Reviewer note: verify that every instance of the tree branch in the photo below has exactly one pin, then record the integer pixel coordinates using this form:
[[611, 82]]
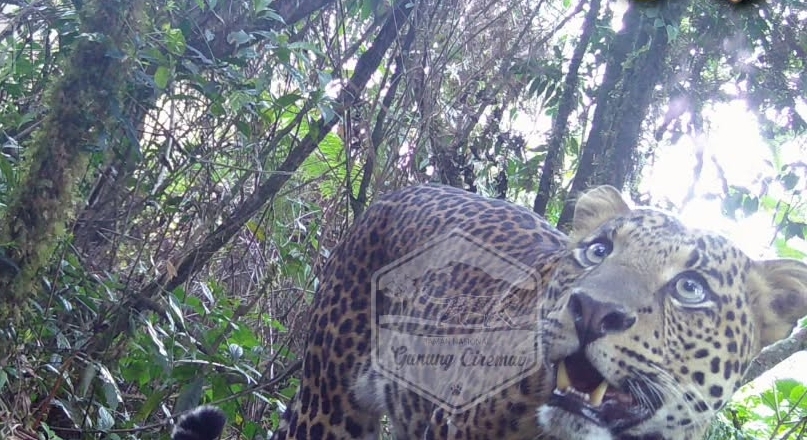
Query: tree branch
[[776, 353], [201, 254]]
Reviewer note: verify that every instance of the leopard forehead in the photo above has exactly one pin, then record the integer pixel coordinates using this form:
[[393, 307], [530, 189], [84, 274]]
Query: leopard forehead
[[664, 239]]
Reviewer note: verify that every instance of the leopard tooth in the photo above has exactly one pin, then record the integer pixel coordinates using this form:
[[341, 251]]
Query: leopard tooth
[[563, 381], [598, 394]]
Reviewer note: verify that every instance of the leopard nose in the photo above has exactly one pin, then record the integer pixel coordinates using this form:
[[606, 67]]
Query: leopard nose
[[594, 319]]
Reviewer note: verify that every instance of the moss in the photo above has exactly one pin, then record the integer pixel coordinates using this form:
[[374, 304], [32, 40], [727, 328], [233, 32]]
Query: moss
[[79, 104]]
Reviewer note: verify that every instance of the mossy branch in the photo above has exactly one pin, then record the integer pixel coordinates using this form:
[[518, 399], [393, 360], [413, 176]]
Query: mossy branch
[[79, 103]]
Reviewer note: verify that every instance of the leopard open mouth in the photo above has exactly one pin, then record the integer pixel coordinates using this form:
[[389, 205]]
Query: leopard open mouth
[[581, 389]]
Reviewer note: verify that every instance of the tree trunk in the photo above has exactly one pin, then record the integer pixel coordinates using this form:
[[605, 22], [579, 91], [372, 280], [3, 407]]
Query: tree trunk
[[77, 122], [560, 125], [635, 66]]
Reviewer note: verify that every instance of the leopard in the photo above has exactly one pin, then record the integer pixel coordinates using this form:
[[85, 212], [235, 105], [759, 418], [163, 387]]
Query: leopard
[[630, 326]]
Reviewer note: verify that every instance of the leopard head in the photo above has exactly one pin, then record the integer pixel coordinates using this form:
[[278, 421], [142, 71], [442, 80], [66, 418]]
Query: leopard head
[[649, 326]]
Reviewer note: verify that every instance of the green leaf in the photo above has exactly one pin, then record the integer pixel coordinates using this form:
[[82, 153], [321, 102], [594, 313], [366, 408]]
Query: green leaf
[[190, 395], [573, 146], [112, 395], [537, 86], [105, 419], [786, 387], [87, 376], [750, 205], [216, 109], [327, 112], [175, 41], [256, 231], [191, 66], [153, 401], [304, 45], [244, 337], [789, 181], [288, 99], [333, 149], [173, 304], [672, 33], [798, 395], [324, 79], [152, 332], [786, 251], [161, 77], [795, 229], [236, 351], [244, 128], [277, 325], [771, 399], [366, 9], [252, 429], [137, 371], [239, 38], [62, 341], [283, 54], [260, 5], [289, 392]]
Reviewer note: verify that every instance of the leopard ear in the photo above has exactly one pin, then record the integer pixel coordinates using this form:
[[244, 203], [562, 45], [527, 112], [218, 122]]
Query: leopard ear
[[596, 207], [779, 297]]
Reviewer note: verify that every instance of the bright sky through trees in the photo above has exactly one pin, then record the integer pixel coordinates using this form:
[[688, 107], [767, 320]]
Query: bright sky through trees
[[734, 145]]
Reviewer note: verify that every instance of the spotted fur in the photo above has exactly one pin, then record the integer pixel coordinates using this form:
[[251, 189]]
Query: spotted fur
[[670, 315]]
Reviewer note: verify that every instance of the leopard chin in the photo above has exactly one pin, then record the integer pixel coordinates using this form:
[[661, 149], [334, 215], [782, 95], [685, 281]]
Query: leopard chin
[[559, 424]]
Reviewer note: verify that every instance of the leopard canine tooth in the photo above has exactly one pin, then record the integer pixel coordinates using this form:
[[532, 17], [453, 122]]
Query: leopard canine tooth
[[598, 394], [563, 382]]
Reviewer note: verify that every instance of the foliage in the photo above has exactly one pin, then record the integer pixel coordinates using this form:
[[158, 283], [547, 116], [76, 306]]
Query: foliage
[[245, 137], [778, 412]]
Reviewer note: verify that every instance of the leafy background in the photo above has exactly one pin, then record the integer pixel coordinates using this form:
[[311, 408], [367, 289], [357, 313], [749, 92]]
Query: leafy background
[[174, 173]]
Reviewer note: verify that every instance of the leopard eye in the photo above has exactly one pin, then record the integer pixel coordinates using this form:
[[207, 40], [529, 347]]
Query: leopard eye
[[596, 252], [690, 290]]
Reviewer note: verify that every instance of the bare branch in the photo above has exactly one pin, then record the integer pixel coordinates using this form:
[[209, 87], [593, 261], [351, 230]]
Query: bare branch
[[776, 353]]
